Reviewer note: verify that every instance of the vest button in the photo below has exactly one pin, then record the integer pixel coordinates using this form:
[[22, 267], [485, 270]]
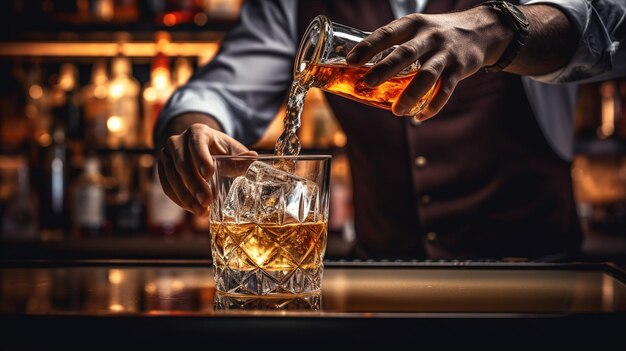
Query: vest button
[[425, 199], [431, 236], [416, 122], [420, 161]]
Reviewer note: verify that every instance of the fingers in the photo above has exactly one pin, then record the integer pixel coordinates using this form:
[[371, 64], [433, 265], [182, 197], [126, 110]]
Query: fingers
[[443, 91], [186, 165], [401, 57], [423, 81], [382, 38], [202, 165], [172, 183]]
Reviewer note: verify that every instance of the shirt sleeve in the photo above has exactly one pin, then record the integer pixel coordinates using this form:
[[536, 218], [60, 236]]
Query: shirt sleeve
[[601, 51], [246, 82]]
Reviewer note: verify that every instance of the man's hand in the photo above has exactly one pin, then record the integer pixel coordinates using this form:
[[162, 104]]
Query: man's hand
[[185, 163], [453, 46]]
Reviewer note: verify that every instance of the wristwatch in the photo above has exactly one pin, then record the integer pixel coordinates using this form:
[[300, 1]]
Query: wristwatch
[[515, 19]]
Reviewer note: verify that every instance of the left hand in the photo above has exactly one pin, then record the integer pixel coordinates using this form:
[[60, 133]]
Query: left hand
[[450, 47]]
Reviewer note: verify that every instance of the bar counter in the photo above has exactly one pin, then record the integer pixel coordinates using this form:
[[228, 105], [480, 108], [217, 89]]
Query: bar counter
[[148, 302]]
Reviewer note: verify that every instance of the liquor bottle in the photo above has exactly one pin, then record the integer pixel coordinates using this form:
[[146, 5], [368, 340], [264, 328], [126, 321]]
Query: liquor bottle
[[610, 101], [14, 125], [122, 123], [158, 90], [125, 10], [101, 10], [38, 108], [88, 212], [223, 10], [183, 70], [95, 105], [19, 218], [622, 115], [124, 204], [165, 217], [340, 198], [69, 109], [182, 12], [53, 204]]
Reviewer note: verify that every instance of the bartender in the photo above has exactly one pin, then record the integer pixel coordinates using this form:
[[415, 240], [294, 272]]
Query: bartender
[[489, 177]]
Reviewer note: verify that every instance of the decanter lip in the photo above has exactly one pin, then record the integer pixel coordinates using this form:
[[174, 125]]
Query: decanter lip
[[325, 31]]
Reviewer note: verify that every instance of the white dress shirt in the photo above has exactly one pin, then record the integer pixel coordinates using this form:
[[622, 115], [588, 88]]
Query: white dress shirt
[[244, 85]]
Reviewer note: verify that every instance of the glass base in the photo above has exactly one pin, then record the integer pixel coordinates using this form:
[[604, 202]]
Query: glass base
[[310, 302], [269, 282]]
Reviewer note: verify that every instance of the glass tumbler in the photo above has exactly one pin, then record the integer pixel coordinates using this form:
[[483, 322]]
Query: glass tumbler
[[269, 227]]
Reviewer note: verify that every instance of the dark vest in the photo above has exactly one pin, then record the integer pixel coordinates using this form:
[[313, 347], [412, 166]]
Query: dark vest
[[488, 184]]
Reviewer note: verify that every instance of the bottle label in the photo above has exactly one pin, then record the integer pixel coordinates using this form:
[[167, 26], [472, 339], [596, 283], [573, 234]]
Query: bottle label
[[90, 206]]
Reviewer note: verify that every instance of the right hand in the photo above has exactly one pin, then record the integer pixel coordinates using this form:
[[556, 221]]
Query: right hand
[[185, 165]]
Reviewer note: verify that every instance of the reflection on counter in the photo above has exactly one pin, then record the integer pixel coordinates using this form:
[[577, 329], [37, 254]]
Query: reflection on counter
[[310, 302], [164, 290]]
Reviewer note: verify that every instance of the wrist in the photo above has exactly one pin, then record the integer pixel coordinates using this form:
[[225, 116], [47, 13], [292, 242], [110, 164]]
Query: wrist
[[497, 36], [516, 20]]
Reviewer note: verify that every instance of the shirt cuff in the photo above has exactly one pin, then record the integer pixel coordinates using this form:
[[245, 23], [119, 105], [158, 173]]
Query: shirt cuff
[[188, 100], [594, 52]]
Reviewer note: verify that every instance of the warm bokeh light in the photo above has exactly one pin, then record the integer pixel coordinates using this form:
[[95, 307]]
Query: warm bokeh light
[[340, 139], [160, 78], [116, 307], [169, 20], [115, 124], [116, 276], [150, 288], [116, 90], [100, 91], [44, 139], [178, 285], [146, 161], [35, 91], [200, 19], [149, 94]]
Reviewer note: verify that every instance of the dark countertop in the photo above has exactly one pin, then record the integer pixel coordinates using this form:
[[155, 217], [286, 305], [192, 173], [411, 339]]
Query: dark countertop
[[440, 303]]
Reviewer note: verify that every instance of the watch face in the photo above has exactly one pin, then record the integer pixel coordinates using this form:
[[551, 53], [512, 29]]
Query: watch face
[[515, 12]]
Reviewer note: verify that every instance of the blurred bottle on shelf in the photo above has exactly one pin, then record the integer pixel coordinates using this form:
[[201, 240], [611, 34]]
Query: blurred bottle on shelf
[[165, 217], [158, 90], [38, 111], [340, 220], [179, 12], [224, 10], [19, 216], [88, 210], [95, 105], [67, 105], [53, 203], [123, 122], [183, 70], [622, 115], [125, 10], [69, 108], [101, 10], [611, 109], [125, 206], [14, 124]]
